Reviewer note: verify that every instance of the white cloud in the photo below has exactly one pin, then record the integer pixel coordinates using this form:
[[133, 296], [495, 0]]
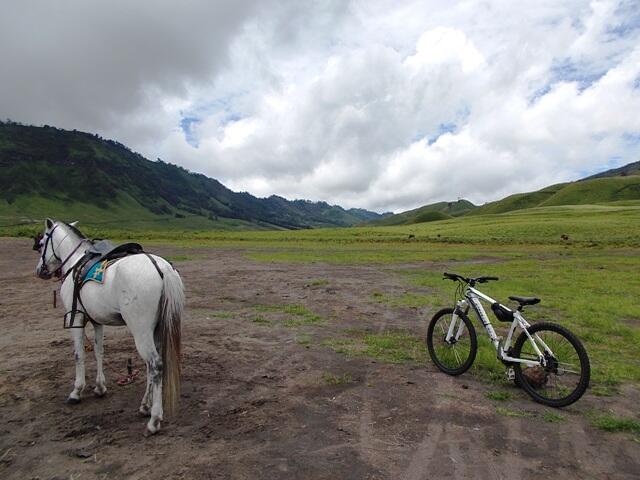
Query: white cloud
[[365, 103]]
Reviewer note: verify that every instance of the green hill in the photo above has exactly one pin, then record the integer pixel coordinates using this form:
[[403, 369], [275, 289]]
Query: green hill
[[583, 192], [428, 213], [598, 190], [46, 171], [624, 171], [615, 185]]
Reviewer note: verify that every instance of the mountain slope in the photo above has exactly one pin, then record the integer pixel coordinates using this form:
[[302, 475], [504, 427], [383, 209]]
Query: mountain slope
[[427, 213], [46, 167], [624, 171], [615, 185], [583, 192]]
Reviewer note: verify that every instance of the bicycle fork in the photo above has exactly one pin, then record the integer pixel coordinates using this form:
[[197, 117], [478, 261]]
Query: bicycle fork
[[462, 308]]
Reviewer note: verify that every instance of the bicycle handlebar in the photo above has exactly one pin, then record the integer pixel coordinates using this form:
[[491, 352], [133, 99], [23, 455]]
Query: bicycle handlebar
[[471, 281]]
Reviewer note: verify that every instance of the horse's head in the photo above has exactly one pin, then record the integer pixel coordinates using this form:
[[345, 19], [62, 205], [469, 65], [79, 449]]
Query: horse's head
[[44, 244], [37, 241]]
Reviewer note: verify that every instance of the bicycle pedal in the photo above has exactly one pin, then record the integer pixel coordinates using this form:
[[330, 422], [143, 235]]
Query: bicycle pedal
[[511, 374]]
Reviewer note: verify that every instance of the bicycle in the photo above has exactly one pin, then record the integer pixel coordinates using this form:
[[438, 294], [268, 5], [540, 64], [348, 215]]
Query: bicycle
[[546, 360]]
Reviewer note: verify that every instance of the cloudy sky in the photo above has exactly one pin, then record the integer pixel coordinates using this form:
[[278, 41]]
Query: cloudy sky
[[385, 105]]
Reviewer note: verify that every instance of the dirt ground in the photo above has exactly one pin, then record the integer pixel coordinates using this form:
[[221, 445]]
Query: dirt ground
[[254, 402]]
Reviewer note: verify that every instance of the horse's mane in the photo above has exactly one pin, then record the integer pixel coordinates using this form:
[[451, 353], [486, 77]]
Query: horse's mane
[[75, 230]]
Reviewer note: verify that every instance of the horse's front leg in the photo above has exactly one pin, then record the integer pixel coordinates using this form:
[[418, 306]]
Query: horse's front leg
[[101, 387], [78, 353]]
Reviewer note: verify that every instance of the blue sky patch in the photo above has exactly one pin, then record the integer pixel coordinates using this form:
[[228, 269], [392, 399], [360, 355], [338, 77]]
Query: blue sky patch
[[629, 12], [566, 70], [186, 125], [631, 138], [442, 129], [612, 162]]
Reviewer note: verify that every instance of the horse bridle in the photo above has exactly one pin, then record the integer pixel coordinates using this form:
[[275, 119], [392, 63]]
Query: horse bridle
[[58, 271]]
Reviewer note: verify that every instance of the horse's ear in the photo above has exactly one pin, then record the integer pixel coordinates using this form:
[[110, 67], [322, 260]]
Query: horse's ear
[[74, 224], [48, 223]]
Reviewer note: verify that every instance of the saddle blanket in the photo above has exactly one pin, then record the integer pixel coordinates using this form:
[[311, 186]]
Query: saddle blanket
[[96, 273]]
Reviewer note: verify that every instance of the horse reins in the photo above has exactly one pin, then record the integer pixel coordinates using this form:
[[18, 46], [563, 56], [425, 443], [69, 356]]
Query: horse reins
[[76, 280], [58, 271]]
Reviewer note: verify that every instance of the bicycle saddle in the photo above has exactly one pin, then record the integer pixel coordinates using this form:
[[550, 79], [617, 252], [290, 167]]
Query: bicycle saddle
[[525, 300]]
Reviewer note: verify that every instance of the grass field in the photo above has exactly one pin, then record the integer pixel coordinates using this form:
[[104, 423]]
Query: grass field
[[588, 282], [123, 213]]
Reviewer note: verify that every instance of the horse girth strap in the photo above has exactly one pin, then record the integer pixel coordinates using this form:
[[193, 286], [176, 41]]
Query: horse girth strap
[[78, 283], [155, 264]]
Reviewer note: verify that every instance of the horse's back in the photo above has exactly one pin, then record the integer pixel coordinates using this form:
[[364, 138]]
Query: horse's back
[[131, 291]]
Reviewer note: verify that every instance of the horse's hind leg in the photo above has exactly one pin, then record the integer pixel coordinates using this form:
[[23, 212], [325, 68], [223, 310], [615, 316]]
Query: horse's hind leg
[[145, 405], [78, 353], [147, 350], [101, 387]]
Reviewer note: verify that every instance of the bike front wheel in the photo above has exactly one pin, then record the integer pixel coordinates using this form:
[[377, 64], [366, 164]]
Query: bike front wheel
[[453, 357], [563, 377]]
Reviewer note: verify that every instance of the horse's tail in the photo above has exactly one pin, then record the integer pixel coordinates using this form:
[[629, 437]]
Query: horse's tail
[[168, 333]]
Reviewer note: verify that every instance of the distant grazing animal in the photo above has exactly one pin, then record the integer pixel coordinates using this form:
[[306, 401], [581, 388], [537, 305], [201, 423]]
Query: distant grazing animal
[[140, 291], [564, 237]]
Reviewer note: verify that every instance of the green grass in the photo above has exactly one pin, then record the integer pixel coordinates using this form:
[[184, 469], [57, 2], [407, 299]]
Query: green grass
[[590, 292], [604, 390], [335, 380], [616, 224], [394, 346], [260, 320], [589, 283], [553, 417], [601, 190], [123, 213], [304, 339], [428, 213], [612, 423], [294, 315], [499, 395]]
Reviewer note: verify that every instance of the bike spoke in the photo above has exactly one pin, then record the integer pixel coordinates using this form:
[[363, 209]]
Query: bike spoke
[[455, 353], [561, 372]]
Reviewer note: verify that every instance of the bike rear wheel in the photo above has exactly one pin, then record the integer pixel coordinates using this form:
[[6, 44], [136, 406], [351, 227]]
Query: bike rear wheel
[[457, 356], [564, 378]]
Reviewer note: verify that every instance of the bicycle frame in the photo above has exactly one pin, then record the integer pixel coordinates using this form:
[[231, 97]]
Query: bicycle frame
[[473, 298]]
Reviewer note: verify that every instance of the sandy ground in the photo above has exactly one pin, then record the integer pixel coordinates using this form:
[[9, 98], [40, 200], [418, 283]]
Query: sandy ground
[[254, 403]]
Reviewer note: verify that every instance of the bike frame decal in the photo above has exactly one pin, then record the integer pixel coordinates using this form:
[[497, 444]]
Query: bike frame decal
[[474, 296], [482, 315]]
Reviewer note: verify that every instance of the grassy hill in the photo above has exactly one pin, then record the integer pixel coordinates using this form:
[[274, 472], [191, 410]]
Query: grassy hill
[[615, 185], [428, 213], [584, 192], [46, 171], [624, 171]]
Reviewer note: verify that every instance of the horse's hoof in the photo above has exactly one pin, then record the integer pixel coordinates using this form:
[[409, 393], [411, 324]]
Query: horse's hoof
[[99, 392], [153, 426], [144, 411], [72, 401]]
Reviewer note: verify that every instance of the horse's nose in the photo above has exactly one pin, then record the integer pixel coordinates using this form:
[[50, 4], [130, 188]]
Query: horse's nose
[[42, 273]]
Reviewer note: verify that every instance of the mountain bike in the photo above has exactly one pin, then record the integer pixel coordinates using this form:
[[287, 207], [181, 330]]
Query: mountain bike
[[546, 360]]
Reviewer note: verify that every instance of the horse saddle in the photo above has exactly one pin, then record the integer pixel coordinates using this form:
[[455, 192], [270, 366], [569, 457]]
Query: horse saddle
[[100, 254], [102, 251]]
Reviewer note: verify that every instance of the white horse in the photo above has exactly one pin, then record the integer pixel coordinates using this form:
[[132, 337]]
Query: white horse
[[133, 294]]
